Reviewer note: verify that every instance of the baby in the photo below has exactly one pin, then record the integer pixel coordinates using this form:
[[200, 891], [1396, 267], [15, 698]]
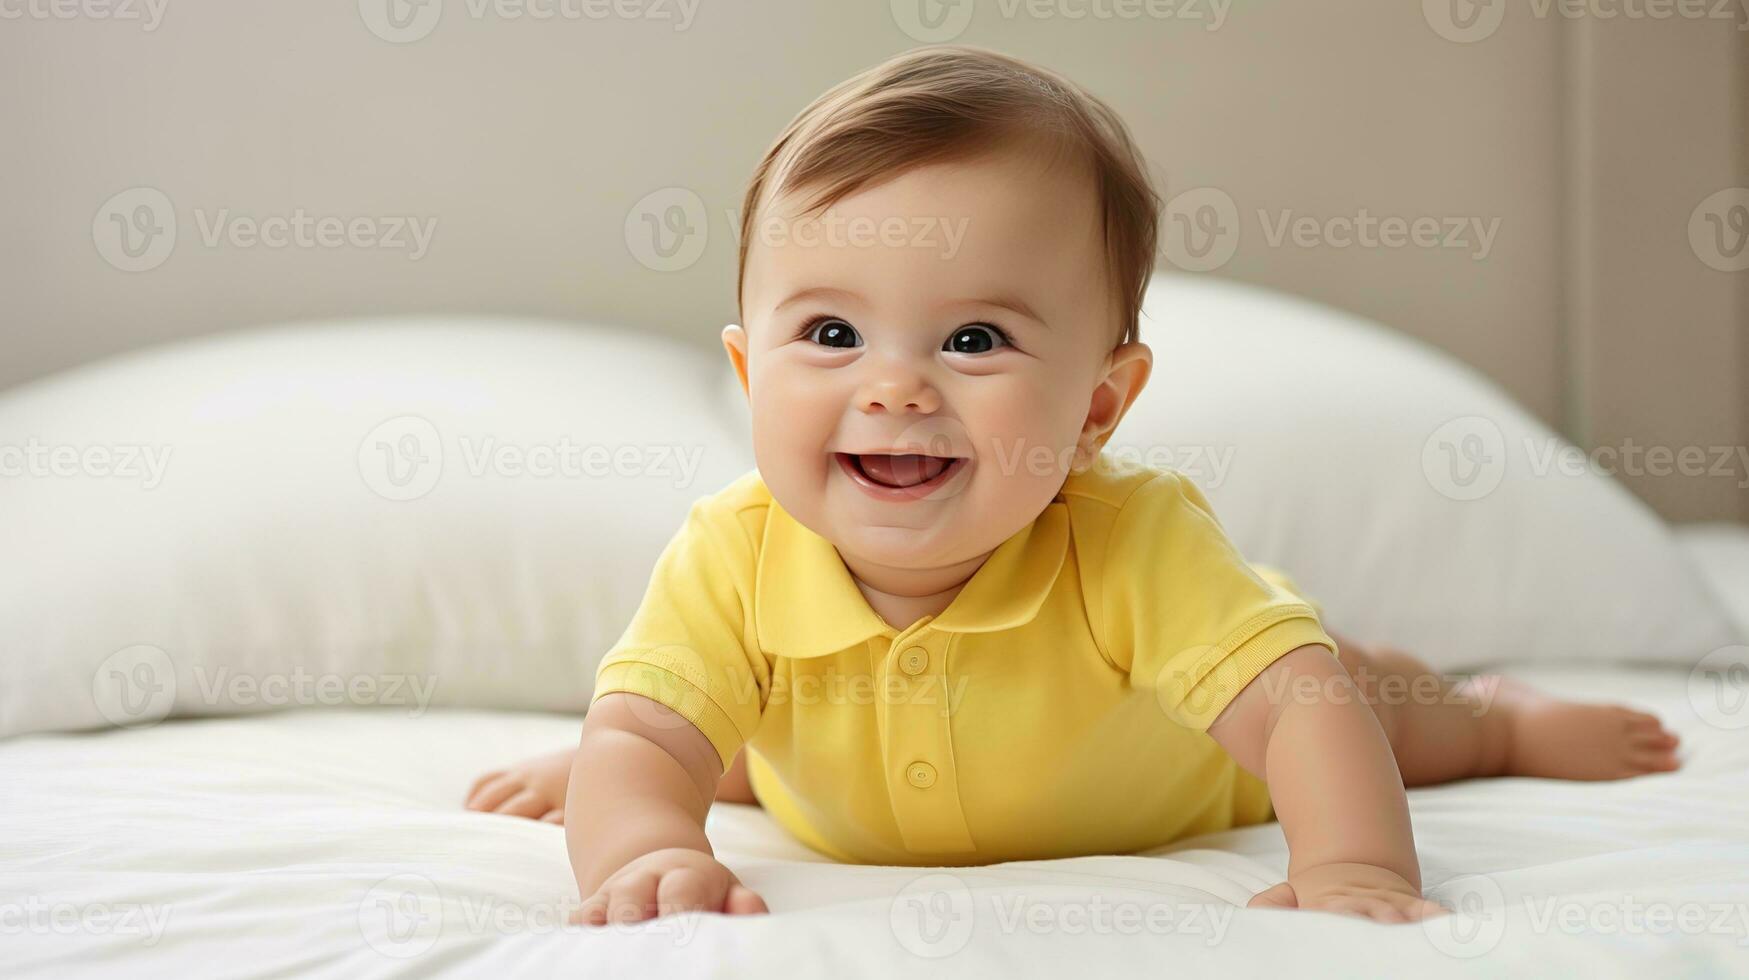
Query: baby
[[938, 625]]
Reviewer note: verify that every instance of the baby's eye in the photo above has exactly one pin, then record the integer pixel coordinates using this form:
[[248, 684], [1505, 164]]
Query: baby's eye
[[974, 338], [833, 332]]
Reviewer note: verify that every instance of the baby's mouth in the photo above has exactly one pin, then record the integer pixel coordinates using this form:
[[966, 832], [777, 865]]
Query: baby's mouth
[[898, 471]]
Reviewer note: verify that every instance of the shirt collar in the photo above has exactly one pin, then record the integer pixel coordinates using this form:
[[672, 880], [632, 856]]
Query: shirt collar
[[808, 605]]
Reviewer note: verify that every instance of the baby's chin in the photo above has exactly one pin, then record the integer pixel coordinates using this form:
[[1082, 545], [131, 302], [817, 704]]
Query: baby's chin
[[903, 547]]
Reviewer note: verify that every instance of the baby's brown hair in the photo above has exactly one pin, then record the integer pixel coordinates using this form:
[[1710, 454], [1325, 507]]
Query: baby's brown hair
[[936, 104]]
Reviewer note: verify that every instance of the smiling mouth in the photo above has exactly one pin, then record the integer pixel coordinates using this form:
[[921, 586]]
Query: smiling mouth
[[905, 475]]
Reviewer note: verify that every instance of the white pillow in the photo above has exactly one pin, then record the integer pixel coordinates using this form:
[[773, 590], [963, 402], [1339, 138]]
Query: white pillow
[[1721, 553], [1327, 446], [272, 559]]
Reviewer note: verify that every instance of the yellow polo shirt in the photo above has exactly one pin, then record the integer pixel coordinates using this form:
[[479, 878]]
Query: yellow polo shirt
[[1057, 707]]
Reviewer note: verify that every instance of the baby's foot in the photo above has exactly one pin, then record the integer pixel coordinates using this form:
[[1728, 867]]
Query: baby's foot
[[533, 788], [1555, 739]]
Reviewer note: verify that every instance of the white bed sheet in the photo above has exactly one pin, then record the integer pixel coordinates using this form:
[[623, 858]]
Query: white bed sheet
[[332, 842]]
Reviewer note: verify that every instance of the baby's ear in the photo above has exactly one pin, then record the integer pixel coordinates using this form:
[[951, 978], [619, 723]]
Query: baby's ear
[[735, 343], [1125, 375]]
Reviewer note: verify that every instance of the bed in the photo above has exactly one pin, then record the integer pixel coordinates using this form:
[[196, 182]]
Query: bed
[[210, 832], [332, 842]]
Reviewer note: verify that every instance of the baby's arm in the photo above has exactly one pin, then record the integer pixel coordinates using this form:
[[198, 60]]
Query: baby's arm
[[1302, 727], [640, 787]]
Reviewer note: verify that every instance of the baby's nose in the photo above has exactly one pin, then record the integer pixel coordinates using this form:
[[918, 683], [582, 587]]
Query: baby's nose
[[899, 394]]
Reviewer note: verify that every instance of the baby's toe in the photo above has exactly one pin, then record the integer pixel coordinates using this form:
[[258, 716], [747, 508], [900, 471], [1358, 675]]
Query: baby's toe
[[1653, 758], [1659, 739], [1639, 722]]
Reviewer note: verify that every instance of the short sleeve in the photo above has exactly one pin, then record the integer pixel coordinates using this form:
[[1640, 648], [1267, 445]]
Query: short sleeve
[[1184, 613], [688, 646]]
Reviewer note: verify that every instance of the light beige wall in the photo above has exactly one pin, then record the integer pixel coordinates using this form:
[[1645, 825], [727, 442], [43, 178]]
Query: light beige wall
[[529, 142], [1659, 336]]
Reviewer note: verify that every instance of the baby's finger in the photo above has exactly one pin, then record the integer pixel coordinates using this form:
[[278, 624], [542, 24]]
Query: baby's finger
[[1378, 908], [742, 900], [1340, 906], [554, 815], [495, 792], [1420, 908], [683, 890], [594, 910], [1381, 910], [474, 790], [527, 803], [1278, 897], [632, 899]]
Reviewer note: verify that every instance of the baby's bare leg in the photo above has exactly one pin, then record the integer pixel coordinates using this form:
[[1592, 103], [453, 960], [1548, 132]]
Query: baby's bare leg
[[1443, 729], [535, 788]]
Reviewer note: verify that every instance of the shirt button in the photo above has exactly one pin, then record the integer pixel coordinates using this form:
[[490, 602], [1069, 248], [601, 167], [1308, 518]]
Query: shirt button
[[920, 774], [914, 661]]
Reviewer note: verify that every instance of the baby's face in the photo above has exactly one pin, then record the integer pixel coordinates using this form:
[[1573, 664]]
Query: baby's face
[[922, 362]]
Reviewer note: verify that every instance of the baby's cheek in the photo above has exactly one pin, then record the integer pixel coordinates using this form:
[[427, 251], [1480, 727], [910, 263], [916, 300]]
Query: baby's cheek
[[1041, 426], [789, 407]]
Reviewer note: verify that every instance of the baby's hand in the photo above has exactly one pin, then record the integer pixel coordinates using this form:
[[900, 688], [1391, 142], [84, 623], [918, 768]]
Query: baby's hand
[[534, 788], [1350, 889], [668, 882]]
